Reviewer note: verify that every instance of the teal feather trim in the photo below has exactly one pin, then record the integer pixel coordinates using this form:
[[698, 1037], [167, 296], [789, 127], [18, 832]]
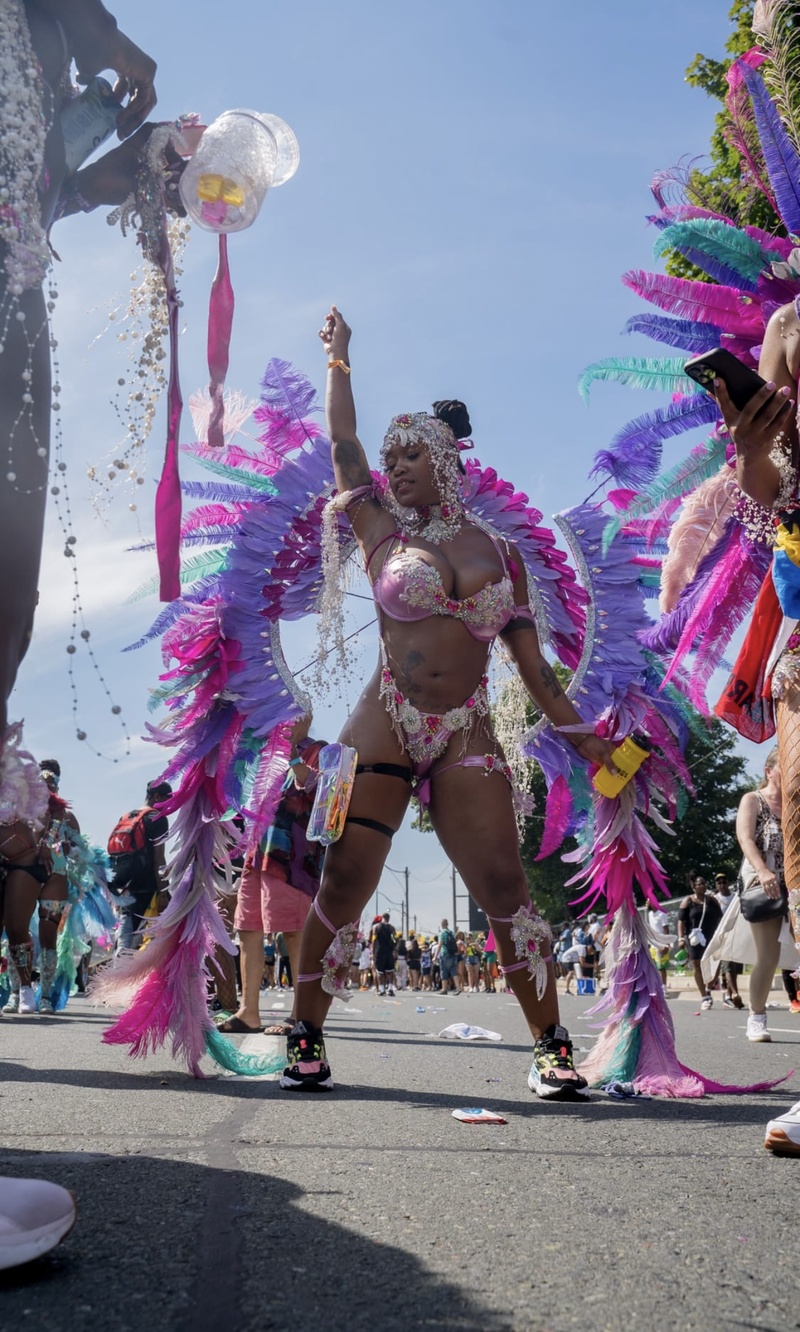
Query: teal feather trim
[[252, 480], [199, 566], [720, 241], [665, 374], [703, 462], [226, 1054]]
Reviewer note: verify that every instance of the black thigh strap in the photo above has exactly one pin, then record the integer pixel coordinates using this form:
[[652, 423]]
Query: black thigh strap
[[372, 823], [387, 770]]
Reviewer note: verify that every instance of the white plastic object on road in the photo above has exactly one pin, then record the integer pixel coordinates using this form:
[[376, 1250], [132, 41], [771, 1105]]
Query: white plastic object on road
[[478, 1116], [462, 1031]]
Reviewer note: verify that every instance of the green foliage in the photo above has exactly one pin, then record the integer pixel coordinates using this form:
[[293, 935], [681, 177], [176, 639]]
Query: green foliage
[[546, 878], [705, 838], [722, 186]]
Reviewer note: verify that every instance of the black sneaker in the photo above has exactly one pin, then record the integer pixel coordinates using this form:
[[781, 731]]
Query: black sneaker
[[552, 1054], [308, 1069]]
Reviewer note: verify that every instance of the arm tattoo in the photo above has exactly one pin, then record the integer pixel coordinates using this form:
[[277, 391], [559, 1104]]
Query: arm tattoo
[[550, 681]]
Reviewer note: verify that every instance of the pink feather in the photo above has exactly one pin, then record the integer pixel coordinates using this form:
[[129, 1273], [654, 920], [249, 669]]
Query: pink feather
[[637, 1042], [695, 533], [705, 302], [557, 816], [728, 595], [266, 793]]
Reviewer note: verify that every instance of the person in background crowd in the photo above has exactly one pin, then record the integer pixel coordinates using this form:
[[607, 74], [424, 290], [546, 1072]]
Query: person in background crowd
[[473, 964], [699, 915], [760, 835], [413, 955], [384, 949], [139, 870], [365, 966], [401, 965], [279, 881], [426, 965], [447, 958], [489, 963], [461, 961], [659, 951], [269, 960]]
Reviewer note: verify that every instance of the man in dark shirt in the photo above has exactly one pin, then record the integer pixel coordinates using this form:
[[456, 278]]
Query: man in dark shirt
[[140, 877], [383, 942]]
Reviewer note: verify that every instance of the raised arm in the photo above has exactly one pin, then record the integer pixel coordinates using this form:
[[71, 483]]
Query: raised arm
[[539, 678], [757, 429], [350, 466]]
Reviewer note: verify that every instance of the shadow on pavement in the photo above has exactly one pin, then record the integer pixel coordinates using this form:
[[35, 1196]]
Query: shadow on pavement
[[166, 1245]]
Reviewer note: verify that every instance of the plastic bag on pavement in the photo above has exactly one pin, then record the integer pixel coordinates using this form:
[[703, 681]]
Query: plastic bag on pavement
[[463, 1031]]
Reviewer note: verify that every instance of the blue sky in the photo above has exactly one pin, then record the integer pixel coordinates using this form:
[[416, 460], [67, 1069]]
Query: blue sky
[[473, 182]]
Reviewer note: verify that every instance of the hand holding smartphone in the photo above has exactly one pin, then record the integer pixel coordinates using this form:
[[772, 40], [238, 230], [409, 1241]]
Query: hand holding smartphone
[[741, 382]]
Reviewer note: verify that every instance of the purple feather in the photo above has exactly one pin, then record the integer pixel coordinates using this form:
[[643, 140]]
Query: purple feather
[[783, 164], [685, 334], [635, 454]]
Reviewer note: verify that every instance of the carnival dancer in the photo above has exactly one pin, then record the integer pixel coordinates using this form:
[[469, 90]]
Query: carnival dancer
[[53, 899], [37, 884], [444, 590]]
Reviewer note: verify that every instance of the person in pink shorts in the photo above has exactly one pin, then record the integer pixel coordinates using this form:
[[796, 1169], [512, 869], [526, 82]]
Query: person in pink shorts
[[280, 881]]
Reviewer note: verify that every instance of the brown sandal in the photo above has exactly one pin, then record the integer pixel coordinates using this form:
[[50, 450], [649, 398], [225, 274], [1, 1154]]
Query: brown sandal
[[235, 1027]]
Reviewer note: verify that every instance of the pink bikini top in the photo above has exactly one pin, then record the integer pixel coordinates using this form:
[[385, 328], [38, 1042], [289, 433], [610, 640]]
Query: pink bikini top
[[408, 589]]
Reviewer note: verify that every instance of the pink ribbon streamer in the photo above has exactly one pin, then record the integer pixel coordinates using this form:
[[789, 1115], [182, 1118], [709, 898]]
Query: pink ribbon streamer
[[168, 494], [220, 323]]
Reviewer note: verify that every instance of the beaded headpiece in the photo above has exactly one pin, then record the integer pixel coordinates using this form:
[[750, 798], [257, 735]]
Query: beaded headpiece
[[442, 447]]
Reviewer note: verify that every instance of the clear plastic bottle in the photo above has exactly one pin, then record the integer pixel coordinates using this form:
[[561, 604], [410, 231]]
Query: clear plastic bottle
[[627, 759], [87, 121]]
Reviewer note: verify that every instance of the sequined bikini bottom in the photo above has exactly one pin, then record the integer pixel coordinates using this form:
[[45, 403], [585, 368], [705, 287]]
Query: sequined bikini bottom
[[426, 735]]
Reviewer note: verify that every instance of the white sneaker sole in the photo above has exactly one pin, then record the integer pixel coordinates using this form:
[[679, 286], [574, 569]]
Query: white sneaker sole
[[778, 1141], [289, 1084], [16, 1249], [566, 1092], [762, 1038]]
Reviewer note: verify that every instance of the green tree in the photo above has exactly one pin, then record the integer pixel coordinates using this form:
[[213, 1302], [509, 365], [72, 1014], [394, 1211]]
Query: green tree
[[726, 186], [705, 837]]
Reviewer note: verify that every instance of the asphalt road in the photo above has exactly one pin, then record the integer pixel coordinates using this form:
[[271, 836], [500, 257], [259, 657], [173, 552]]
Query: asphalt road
[[228, 1204]]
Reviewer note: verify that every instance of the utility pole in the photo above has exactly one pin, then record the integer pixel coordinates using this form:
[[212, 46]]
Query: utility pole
[[408, 918]]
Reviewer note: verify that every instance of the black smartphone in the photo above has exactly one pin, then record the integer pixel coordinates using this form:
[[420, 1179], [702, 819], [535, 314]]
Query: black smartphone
[[741, 382]]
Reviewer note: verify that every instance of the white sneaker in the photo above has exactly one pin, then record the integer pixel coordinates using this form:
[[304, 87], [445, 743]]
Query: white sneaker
[[35, 1215], [757, 1027], [783, 1133], [706, 1001], [27, 999], [13, 1003]]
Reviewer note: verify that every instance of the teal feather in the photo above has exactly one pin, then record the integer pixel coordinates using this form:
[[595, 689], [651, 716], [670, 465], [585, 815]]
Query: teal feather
[[183, 685], [226, 1054], [703, 462], [720, 241], [199, 566], [252, 480], [665, 374]]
